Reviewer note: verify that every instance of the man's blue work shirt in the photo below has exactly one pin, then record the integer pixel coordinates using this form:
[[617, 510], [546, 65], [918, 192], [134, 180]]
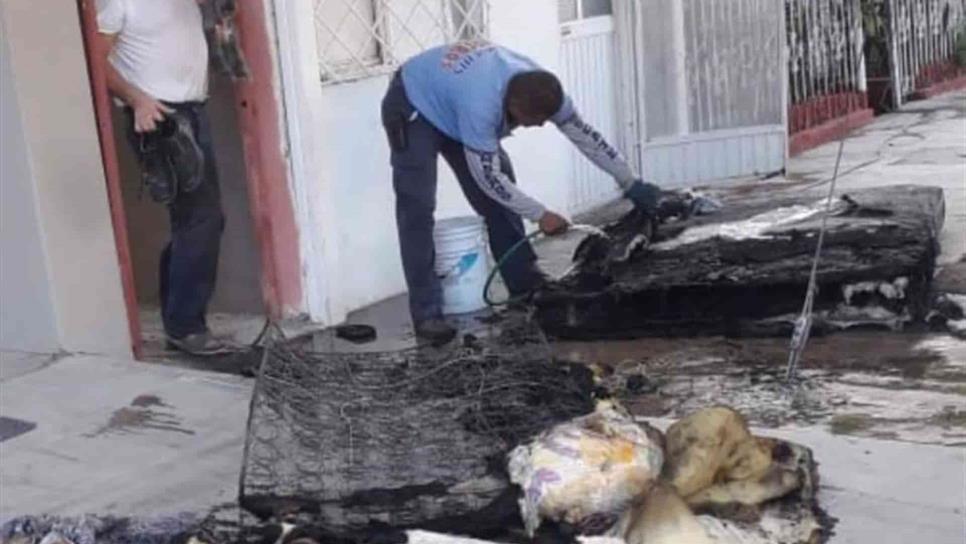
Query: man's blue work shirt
[[460, 89]]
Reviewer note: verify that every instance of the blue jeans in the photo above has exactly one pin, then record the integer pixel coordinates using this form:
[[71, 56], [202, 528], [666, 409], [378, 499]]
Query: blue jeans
[[189, 262], [415, 145]]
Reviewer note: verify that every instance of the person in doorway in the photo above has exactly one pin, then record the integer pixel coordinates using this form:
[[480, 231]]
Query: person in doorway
[[459, 101], [158, 68]]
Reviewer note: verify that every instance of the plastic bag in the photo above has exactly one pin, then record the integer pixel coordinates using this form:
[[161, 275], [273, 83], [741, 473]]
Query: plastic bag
[[588, 471]]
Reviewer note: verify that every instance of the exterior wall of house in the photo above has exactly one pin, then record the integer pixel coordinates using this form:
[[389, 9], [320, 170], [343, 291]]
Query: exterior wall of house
[[27, 322], [343, 179], [61, 286]]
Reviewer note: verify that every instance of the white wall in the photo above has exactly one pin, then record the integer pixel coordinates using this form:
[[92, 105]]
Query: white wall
[[60, 161], [343, 181], [541, 156], [27, 320]]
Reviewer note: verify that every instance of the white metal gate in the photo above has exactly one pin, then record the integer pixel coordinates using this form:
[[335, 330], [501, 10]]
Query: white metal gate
[[589, 76], [704, 84], [827, 77], [923, 37]]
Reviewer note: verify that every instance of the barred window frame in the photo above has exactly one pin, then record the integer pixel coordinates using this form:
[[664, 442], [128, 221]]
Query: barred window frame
[[357, 39]]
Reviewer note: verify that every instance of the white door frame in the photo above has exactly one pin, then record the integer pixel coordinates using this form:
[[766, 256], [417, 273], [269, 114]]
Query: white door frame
[[629, 80], [301, 93], [585, 193]]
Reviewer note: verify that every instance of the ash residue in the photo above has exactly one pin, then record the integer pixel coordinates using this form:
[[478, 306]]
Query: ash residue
[[759, 392]]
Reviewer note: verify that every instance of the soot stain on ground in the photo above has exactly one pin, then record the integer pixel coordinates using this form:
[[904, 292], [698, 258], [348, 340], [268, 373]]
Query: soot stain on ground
[[141, 415]]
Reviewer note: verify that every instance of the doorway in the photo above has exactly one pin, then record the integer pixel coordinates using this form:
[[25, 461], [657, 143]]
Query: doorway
[[237, 301], [259, 261]]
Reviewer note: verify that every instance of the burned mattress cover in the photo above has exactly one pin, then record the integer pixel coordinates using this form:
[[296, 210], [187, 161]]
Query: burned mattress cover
[[745, 270]]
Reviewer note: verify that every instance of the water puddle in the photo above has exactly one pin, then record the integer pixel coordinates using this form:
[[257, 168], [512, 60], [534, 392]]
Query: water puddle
[[901, 386]]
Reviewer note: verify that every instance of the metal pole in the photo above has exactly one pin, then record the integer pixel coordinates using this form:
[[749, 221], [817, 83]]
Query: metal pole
[[710, 57], [785, 63], [802, 28], [808, 50], [698, 83], [825, 25], [848, 24], [910, 47], [842, 50], [791, 37], [895, 63], [931, 31], [803, 325], [727, 64], [680, 49], [859, 47]]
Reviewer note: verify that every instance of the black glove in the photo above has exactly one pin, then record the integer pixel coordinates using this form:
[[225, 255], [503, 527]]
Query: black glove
[[645, 197]]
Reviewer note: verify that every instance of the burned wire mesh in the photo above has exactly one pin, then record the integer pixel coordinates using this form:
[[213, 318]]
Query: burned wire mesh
[[403, 437]]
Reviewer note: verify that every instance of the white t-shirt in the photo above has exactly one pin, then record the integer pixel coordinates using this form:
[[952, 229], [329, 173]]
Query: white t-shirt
[[160, 46]]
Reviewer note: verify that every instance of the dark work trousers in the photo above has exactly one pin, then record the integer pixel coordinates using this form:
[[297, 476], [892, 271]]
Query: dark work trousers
[[189, 262], [415, 145]]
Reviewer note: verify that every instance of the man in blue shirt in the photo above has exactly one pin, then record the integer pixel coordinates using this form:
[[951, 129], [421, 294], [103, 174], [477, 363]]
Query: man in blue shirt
[[459, 101]]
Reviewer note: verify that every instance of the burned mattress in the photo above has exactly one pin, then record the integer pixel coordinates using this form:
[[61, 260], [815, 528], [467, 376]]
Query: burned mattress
[[745, 271]]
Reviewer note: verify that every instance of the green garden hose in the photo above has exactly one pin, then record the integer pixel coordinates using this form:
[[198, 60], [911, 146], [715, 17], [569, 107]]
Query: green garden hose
[[592, 230]]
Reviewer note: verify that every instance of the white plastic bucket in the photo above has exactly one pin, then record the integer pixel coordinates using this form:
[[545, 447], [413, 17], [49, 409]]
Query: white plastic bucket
[[461, 263]]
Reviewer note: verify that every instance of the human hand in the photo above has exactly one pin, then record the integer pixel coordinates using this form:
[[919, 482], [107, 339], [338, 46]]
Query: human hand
[[645, 196], [148, 112], [553, 224]]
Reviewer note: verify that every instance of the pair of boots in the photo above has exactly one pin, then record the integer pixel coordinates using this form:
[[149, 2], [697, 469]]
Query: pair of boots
[[171, 159]]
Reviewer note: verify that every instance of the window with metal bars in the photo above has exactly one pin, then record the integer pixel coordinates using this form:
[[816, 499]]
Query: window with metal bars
[[361, 38]]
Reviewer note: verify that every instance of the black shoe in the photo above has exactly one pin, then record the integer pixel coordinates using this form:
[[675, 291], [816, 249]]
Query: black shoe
[[436, 331], [183, 152]]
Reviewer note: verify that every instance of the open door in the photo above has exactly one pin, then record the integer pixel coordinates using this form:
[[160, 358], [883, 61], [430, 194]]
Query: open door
[[260, 263]]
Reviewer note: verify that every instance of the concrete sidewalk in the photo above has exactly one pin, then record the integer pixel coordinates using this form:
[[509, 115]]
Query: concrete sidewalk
[[118, 437], [888, 492], [121, 437], [924, 144]]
